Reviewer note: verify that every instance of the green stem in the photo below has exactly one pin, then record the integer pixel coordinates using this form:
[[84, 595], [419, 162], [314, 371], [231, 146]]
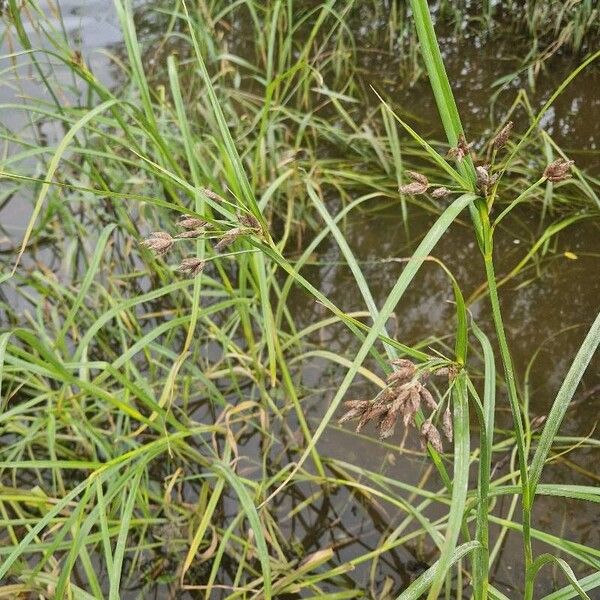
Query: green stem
[[510, 381]]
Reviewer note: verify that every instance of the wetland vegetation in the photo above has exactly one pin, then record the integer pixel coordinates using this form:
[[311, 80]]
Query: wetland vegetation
[[299, 299]]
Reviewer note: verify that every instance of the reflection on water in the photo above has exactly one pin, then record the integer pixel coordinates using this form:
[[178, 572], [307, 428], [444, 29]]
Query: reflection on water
[[93, 29], [547, 308]]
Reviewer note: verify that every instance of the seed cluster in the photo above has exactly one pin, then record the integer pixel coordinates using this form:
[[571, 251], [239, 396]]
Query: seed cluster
[[500, 140], [418, 185], [558, 170], [404, 395], [160, 242], [461, 150]]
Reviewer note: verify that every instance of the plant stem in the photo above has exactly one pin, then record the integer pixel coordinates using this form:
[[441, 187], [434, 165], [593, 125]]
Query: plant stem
[[513, 397]]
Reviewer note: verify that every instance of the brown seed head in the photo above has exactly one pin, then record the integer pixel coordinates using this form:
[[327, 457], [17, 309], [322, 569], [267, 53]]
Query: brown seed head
[[440, 192], [461, 149], [387, 425], [415, 176], [386, 395], [418, 185], [558, 170], [411, 406], [76, 56], [229, 238], [400, 400], [356, 408], [402, 362], [428, 398], [502, 137], [483, 177], [484, 180], [401, 374], [538, 421], [447, 424], [212, 195], [373, 412], [190, 234], [250, 221], [192, 266], [159, 242], [188, 222], [430, 435]]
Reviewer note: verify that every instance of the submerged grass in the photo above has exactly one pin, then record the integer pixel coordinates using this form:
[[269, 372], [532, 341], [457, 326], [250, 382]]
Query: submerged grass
[[156, 428]]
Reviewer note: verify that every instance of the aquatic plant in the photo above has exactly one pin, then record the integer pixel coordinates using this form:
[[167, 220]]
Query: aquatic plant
[[158, 429]]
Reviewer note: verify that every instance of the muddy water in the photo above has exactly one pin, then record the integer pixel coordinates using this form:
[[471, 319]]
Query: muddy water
[[547, 308], [550, 313], [93, 29]]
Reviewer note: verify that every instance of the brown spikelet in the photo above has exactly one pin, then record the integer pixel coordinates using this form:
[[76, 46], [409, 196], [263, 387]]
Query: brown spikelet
[[430, 435], [402, 362], [229, 238], [416, 176], [387, 395], [447, 424], [76, 58], [192, 266], [196, 233], [428, 398], [373, 412], [440, 192], [356, 404], [401, 374], [212, 195], [418, 185], [399, 402], [356, 408], [159, 242], [461, 149], [483, 177], [188, 222], [411, 406], [485, 181], [387, 425], [537, 422], [558, 170], [249, 221], [502, 137]]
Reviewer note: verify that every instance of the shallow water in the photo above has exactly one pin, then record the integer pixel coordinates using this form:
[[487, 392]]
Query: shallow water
[[547, 308]]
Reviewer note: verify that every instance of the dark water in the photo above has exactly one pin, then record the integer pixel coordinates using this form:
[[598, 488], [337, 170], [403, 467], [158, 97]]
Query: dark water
[[547, 308]]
